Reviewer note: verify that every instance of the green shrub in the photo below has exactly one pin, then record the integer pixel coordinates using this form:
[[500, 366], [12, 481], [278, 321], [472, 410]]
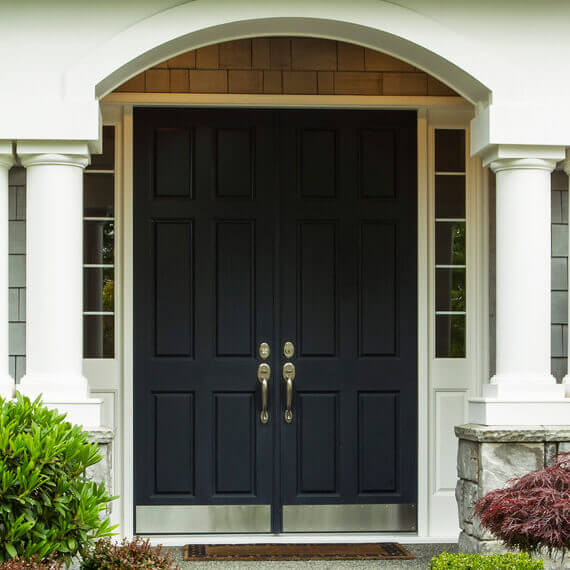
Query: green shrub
[[485, 562], [48, 508], [129, 555]]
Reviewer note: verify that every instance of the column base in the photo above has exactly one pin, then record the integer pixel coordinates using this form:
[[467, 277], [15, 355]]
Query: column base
[[69, 396], [531, 391], [519, 411]]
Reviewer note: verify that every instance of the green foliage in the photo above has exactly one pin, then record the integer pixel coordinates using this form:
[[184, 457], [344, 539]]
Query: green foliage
[[129, 555], [485, 562], [48, 508]]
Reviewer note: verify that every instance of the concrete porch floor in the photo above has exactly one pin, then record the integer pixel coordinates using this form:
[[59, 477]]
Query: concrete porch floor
[[422, 552]]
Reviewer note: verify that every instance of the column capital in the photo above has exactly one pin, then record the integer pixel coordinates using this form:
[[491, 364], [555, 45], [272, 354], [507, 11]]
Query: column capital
[[503, 164], [63, 153], [513, 157], [55, 159]]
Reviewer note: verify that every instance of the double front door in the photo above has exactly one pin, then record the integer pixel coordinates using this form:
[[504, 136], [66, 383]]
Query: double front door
[[275, 323]]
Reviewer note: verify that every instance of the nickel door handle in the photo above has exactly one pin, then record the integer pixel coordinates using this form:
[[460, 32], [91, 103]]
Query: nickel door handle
[[263, 375], [288, 377]]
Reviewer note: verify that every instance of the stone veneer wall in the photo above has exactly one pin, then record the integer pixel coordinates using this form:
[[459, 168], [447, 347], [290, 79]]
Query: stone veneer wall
[[487, 458], [102, 472], [286, 66]]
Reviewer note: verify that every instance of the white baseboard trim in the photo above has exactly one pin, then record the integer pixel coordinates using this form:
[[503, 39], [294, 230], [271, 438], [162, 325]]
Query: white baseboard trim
[[284, 538]]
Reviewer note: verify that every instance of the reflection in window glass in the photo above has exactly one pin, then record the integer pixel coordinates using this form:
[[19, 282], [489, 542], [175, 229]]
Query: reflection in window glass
[[449, 289], [450, 244], [99, 252], [98, 242], [99, 289], [450, 336], [98, 336]]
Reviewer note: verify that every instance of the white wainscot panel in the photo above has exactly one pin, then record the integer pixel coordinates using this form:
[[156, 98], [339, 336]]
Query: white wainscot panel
[[448, 411]]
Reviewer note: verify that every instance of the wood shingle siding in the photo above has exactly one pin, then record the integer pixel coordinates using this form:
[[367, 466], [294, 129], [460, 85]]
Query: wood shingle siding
[[286, 66]]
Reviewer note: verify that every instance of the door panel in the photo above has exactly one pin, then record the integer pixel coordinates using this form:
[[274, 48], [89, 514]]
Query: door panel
[[271, 226], [204, 223], [350, 311]]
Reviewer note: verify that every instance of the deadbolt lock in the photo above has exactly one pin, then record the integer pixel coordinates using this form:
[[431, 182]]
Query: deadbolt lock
[[264, 350], [288, 349]]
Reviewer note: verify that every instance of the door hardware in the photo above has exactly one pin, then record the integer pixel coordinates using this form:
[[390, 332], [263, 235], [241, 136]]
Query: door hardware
[[263, 375], [264, 350], [288, 377], [288, 349]]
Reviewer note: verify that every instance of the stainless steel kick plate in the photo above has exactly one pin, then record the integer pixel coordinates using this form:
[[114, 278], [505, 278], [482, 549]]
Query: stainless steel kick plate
[[349, 518], [180, 519]]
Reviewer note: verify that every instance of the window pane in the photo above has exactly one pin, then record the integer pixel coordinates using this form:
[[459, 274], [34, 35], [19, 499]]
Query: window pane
[[450, 289], [450, 336], [98, 336], [450, 196], [450, 243], [105, 161], [449, 150], [99, 195], [98, 289], [98, 242]]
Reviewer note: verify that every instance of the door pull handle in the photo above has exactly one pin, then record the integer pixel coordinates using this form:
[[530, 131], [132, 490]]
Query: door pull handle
[[288, 377], [263, 375]]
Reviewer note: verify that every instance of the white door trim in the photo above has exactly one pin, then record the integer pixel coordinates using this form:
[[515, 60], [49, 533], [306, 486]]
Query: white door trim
[[455, 115]]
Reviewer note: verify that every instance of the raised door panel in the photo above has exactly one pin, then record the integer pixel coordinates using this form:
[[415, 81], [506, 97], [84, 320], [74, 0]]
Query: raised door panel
[[235, 431], [174, 288], [378, 289], [173, 163], [174, 443], [377, 163], [317, 276], [377, 442], [235, 163], [235, 294], [318, 443]]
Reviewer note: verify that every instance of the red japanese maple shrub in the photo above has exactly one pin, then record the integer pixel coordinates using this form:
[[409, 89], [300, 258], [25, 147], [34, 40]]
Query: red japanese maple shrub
[[532, 513]]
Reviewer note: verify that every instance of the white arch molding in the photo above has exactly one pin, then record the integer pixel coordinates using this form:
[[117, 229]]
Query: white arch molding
[[377, 24]]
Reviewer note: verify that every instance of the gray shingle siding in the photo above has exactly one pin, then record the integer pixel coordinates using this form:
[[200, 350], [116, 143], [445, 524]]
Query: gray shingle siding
[[559, 332], [17, 275]]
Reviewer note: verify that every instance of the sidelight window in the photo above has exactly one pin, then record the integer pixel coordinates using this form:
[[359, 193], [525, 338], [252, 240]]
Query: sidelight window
[[99, 252], [450, 244]]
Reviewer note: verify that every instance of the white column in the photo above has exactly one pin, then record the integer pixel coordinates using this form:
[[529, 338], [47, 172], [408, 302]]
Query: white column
[[6, 161], [523, 391], [566, 381], [54, 279]]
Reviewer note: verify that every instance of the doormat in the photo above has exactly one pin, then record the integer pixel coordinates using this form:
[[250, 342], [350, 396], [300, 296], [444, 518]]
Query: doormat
[[271, 552]]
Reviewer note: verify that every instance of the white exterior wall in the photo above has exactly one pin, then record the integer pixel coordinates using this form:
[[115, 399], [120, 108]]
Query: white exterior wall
[[497, 53], [505, 58]]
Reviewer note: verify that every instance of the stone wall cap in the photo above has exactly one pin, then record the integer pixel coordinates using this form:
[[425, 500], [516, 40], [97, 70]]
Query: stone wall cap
[[498, 434], [100, 434]]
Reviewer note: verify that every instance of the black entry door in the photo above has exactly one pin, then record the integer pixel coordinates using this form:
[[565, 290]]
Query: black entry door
[[256, 227]]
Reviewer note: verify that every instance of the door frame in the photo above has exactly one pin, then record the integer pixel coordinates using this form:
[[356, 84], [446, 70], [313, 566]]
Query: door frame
[[432, 112]]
